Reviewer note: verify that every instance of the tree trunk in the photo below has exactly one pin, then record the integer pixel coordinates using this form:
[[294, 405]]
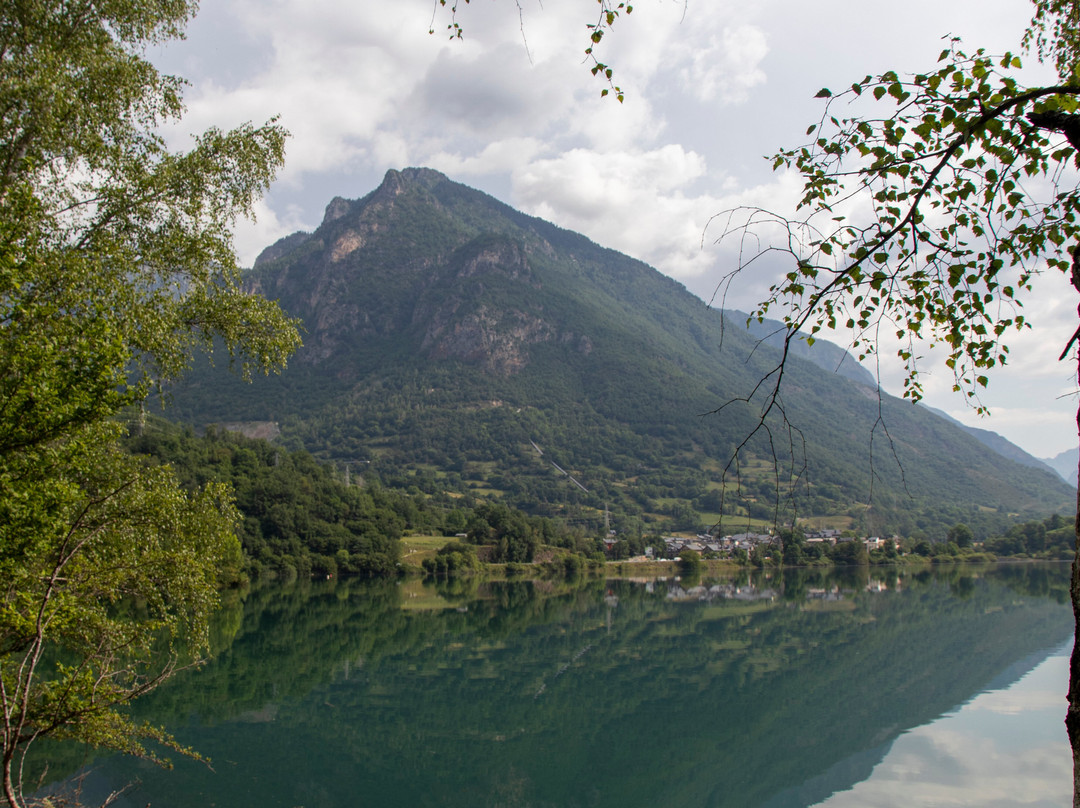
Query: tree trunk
[[11, 794], [1072, 717]]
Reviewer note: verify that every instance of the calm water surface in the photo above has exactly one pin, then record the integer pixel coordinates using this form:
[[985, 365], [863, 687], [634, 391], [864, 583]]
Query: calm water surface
[[1003, 748], [943, 688]]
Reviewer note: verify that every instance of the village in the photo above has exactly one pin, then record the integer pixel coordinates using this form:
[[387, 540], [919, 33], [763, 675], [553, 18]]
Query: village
[[709, 546]]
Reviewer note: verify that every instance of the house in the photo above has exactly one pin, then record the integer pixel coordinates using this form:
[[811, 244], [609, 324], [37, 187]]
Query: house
[[829, 535], [751, 539]]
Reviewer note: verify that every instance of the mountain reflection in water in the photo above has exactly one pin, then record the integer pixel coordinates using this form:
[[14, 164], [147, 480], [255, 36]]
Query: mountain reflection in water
[[760, 691], [1005, 747]]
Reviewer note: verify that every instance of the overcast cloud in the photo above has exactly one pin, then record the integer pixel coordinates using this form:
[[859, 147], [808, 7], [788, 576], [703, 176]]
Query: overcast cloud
[[712, 87]]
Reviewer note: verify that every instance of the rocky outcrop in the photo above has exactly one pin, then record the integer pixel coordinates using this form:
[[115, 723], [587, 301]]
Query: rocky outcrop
[[337, 208], [281, 247], [497, 341], [494, 256], [461, 304]]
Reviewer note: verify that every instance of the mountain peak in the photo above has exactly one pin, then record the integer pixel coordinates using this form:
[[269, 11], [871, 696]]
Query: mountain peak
[[394, 184], [397, 182], [427, 177], [338, 207], [446, 328]]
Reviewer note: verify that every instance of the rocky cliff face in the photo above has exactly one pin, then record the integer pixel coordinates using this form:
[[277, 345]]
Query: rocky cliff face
[[497, 341], [447, 293], [425, 301], [456, 325]]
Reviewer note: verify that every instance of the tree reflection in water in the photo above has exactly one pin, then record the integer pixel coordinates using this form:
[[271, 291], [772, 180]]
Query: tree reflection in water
[[725, 693]]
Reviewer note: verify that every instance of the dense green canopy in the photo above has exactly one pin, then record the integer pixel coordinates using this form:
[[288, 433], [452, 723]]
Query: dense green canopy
[[116, 262]]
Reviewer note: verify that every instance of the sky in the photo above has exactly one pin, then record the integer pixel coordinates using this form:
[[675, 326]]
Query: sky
[[712, 88], [1004, 748]]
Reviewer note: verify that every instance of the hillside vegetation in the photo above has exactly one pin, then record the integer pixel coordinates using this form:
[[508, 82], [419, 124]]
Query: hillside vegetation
[[465, 346], [302, 518]]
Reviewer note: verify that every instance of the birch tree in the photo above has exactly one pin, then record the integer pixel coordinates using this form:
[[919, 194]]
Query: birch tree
[[116, 263]]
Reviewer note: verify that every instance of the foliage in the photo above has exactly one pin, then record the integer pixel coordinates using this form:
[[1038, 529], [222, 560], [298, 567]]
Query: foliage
[[931, 221], [453, 557], [300, 517], [110, 574], [961, 534], [1055, 32], [116, 262], [849, 552], [1053, 537], [297, 516], [515, 539], [690, 562]]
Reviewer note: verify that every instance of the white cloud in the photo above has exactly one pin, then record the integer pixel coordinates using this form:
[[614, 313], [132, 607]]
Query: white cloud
[[727, 67], [1024, 760], [485, 96], [512, 108], [630, 199], [503, 156]]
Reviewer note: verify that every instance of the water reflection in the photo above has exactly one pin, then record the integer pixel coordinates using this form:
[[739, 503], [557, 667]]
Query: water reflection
[[777, 690], [1003, 748]]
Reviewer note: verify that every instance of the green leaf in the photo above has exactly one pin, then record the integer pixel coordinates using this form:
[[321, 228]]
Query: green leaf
[[94, 320]]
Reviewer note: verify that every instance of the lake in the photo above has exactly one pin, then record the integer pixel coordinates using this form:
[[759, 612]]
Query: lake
[[942, 687]]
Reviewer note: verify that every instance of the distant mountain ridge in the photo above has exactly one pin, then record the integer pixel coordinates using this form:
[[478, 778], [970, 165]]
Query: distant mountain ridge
[[1000, 444], [451, 339], [1065, 464], [826, 355]]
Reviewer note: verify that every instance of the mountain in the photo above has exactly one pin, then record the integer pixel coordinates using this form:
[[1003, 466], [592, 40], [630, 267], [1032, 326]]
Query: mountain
[[1065, 464], [456, 343], [822, 353], [1003, 446]]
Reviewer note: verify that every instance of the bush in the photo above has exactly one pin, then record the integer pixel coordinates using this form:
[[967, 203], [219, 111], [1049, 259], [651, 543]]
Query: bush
[[690, 562], [454, 557]]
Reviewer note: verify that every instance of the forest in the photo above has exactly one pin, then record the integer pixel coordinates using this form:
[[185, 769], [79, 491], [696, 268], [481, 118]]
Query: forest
[[302, 518], [500, 355]]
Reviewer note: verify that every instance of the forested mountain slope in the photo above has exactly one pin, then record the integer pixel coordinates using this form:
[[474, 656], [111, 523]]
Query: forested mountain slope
[[450, 335]]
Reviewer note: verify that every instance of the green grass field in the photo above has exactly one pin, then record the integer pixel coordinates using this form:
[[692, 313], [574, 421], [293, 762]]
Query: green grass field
[[416, 548]]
